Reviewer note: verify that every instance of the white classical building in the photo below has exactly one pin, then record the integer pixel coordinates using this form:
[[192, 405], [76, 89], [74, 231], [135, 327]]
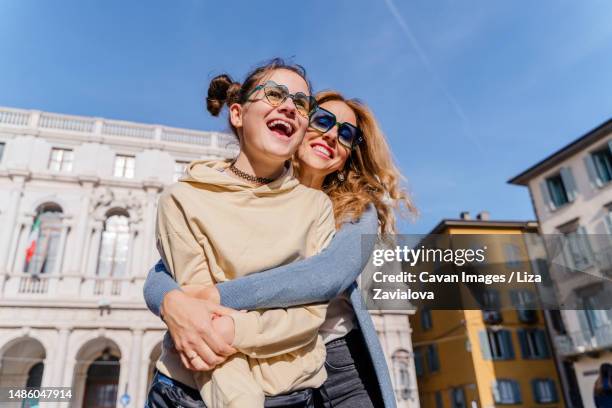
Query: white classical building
[[84, 191], [571, 191]]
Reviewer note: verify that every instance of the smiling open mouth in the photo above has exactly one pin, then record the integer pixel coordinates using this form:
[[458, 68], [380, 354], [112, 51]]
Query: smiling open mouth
[[322, 150], [281, 127]]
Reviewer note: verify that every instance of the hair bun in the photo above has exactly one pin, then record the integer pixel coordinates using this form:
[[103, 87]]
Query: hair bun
[[221, 90]]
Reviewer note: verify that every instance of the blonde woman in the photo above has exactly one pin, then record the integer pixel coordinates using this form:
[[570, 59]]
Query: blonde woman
[[344, 154]]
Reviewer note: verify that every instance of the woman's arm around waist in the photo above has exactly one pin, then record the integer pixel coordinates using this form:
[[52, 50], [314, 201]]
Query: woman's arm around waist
[[319, 278]]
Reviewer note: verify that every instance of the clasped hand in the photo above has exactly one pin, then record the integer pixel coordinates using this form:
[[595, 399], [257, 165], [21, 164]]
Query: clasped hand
[[201, 329]]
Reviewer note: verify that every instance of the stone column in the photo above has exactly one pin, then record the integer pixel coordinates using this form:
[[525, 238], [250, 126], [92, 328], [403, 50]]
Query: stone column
[[19, 230], [86, 249], [88, 183], [136, 253], [123, 380], [54, 363], [60, 360], [134, 367], [59, 261], [129, 262], [18, 178], [78, 387], [152, 188], [143, 386], [94, 248]]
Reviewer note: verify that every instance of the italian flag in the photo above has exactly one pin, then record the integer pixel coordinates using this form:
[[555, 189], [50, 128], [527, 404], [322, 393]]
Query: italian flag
[[32, 239]]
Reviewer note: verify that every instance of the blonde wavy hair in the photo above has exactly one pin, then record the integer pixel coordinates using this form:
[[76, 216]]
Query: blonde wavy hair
[[370, 175]]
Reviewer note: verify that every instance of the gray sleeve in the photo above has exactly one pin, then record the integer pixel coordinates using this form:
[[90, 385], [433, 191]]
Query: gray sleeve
[[159, 282]]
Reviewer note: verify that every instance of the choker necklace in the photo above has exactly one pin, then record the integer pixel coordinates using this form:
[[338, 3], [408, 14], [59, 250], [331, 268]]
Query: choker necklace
[[249, 177]]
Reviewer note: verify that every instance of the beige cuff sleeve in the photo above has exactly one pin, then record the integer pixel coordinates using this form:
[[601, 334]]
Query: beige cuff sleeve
[[273, 332]]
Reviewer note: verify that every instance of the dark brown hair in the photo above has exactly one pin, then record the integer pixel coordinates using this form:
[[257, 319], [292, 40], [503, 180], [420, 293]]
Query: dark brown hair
[[223, 90]]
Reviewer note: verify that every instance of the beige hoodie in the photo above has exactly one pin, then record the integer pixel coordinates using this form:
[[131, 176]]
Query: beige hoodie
[[213, 227]]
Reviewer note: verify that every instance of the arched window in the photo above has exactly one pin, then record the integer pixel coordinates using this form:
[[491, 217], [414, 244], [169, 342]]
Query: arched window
[[401, 370], [101, 385], [112, 260], [43, 241]]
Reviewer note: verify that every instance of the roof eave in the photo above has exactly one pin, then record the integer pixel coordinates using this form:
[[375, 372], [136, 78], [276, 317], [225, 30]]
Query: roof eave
[[587, 139]]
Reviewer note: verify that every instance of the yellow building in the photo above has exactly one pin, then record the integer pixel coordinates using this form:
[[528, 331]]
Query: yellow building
[[482, 359]]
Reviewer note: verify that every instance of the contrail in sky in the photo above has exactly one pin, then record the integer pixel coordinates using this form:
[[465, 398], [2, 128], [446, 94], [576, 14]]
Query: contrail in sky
[[428, 65]]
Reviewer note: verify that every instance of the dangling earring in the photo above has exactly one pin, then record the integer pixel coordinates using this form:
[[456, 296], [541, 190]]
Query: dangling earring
[[340, 177]]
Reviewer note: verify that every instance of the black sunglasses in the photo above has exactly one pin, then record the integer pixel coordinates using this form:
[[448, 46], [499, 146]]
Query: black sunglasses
[[323, 121]]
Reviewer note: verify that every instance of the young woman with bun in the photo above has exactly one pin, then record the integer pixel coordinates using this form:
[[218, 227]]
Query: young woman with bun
[[223, 220]]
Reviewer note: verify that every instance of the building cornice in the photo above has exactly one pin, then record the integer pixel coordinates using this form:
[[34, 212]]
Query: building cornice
[[527, 226], [83, 179], [74, 129], [562, 154]]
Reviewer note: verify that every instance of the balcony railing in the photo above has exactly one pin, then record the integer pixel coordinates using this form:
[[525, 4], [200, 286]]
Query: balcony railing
[[14, 117], [32, 284], [72, 288], [62, 122], [579, 342], [105, 287], [46, 121]]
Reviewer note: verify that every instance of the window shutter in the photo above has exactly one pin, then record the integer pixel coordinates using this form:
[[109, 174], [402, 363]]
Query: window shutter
[[523, 342], [507, 341], [608, 220], [418, 362], [426, 321], [546, 196], [496, 393], [569, 183], [567, 255], [515, 299], [434, 361], [513, 258], [484, 345], [592, 172], [536, 390], [438, 397], [584, 320], [51, 251], [543, 351], [516, 392], [582, 234], [553, 390]]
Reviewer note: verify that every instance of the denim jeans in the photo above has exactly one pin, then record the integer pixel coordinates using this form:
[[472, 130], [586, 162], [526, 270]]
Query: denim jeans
[[348, 372], [350, 383], [168, 393]]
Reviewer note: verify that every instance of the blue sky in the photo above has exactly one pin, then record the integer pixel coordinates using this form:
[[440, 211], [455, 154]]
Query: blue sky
[[469, 93]]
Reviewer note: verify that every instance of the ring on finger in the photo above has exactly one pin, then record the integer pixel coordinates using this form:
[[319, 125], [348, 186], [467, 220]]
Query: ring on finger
[[198, 363]]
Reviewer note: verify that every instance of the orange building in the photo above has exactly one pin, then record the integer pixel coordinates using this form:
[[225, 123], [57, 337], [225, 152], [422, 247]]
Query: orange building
[[497, 357]]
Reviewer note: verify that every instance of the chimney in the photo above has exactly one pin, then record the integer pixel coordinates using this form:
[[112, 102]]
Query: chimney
[[483, 216], [465, 215]]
